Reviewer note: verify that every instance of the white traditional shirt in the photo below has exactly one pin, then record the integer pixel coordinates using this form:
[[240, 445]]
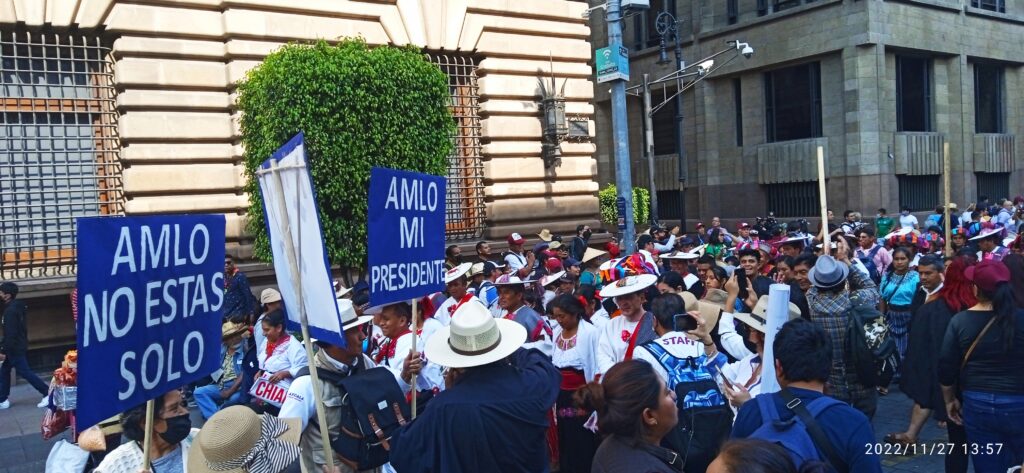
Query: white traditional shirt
[[430, 376], [732, 342], [600, 318], [740, 372], [289, 356], [515, 261], [582, 354], [612, 344], [444, 313], [676, 344]]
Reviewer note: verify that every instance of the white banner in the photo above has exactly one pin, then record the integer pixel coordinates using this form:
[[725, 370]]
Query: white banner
[[296, 239], [273, 394]]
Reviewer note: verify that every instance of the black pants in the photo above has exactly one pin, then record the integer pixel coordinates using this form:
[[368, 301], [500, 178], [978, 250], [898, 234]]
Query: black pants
[[956, 460], [19, 362]]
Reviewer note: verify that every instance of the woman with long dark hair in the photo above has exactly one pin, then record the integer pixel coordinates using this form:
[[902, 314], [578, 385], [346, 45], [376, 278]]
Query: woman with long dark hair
[[574, 355], [635, 409], [982, 360], [897, 289], [944, 292]]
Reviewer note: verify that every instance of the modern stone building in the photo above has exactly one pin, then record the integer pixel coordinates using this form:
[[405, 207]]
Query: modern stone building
[[881, 85], [115, 107]]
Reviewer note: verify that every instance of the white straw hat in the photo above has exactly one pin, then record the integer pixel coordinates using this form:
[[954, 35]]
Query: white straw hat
[[457, 272], [474, 338], [348, 315], [628, 285], [758, 318], [551, 278]]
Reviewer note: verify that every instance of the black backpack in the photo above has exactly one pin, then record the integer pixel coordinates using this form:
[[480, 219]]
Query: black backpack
[[373, 408], [872, 349]]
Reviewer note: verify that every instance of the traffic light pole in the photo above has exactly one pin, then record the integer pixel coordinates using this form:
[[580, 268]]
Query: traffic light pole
[[620, 127]]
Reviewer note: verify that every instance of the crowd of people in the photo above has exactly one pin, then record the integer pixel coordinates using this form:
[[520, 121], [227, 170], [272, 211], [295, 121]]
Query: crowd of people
[[575, 357]]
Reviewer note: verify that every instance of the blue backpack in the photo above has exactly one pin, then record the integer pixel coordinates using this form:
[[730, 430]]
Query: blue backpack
[[869, 263], [800, 435], [705, 418]]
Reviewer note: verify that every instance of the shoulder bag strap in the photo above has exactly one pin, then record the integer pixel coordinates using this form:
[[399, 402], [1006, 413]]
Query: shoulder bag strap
[[974, 344], [814, 430], [667, 456]]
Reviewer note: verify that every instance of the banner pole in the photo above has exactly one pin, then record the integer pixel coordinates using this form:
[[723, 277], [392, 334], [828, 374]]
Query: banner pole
[[826, 247], [415, 328], [293, 262], [949, 199], [147, 442]]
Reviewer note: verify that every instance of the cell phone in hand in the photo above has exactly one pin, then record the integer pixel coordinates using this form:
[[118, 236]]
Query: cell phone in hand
[[683, 323]]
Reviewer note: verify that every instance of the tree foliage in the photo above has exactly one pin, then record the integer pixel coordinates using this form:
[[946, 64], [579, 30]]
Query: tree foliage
[[641, 204], [359, 107]]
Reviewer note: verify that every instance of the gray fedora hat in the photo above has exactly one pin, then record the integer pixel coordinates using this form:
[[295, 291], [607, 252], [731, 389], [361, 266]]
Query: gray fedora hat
[[828, 273]]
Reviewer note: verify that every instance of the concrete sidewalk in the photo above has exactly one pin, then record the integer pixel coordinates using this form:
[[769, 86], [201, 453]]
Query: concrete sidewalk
[[23, 449]]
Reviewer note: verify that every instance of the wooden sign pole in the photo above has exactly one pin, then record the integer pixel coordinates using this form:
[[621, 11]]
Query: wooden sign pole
[[147, 442], [415, 329], [825, 243], [948, 198]]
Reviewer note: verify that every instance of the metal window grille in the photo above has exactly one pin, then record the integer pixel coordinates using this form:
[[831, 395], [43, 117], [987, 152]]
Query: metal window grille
[[992, 5], [465, 211], [58, 149], [793, 199], [732, 12], [919, 192], [995, 185]]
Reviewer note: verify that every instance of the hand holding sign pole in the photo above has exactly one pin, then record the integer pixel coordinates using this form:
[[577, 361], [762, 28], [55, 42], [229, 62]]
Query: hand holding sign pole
[[284, 226]]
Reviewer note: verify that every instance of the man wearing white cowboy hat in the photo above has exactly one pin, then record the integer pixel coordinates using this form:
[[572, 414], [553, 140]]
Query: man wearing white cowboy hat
[[679, 261], [633, 328], [493, 416], [511, 300], [456, 283], [989, 240], [341, 361]]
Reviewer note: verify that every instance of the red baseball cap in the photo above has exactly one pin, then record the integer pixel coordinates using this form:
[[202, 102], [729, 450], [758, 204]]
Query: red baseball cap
[[553, 265], [744, 225], [987, 275], [516, 239]]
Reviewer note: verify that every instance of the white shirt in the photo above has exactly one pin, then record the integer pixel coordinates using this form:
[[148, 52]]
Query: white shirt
[[549, 296], [740, 372], [444, 313], [611, 348], [600, 318], [908, 221], [290, 356], [732, 342], [257, 332], [300, 402], [376, 339], [430, 376], [965, 217], [583, 356], [676, 344], [515, 262]]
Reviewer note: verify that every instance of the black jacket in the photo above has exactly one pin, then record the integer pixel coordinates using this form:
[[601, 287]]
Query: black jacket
[[15, 340]]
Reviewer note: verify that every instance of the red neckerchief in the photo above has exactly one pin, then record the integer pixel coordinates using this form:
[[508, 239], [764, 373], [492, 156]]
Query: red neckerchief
[[229, 278], [387, 349], [271, 346], [632, 338], [454, 307], [511, 315]]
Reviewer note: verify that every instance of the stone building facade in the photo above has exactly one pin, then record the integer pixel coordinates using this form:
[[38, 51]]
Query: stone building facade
[[882, 86], [114, 107]]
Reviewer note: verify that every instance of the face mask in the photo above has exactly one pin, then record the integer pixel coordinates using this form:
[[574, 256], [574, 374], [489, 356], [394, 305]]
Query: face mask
[[586, 234], [177, 429], [904, 213], [457, 258], [878, 215]]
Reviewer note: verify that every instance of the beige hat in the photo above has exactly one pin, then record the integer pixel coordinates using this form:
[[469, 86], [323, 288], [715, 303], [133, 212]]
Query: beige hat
[[477, 268], [474, 338], [592, 253], [952, 206], [545, 235], [689, 300], [270, 295], [237, 440], [555, 245], [716, 296], [230, 329], [758, 318]]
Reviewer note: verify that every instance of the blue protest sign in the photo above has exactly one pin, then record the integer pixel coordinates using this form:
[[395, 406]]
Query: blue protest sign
[[405, 235], [150, 297]]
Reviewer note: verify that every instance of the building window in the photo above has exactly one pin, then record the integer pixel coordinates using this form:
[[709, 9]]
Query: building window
[[737, 97], [732, 11], [991, 5], [993, 184], [793, 102], [913, 93], [919, 192], [58, 149], [988, 99], [665, 136], [644, 25], [792, 199], [465, 211], [669, 204], [765, 7]]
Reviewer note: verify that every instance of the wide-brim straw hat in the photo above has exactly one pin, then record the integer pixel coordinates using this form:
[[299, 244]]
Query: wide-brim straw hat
[[230, 329], [348, 315], [987, 232], [235, 431], [592, 253], [551, 278], [758, 318], [628, 285], [457, 272], [474, 338], [545, 235], [710, 312], [680, 255], [508, 280], [716, 296]]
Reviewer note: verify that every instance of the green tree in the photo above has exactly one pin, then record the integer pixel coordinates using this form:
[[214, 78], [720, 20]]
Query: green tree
[[641, 205], [359, 107]]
